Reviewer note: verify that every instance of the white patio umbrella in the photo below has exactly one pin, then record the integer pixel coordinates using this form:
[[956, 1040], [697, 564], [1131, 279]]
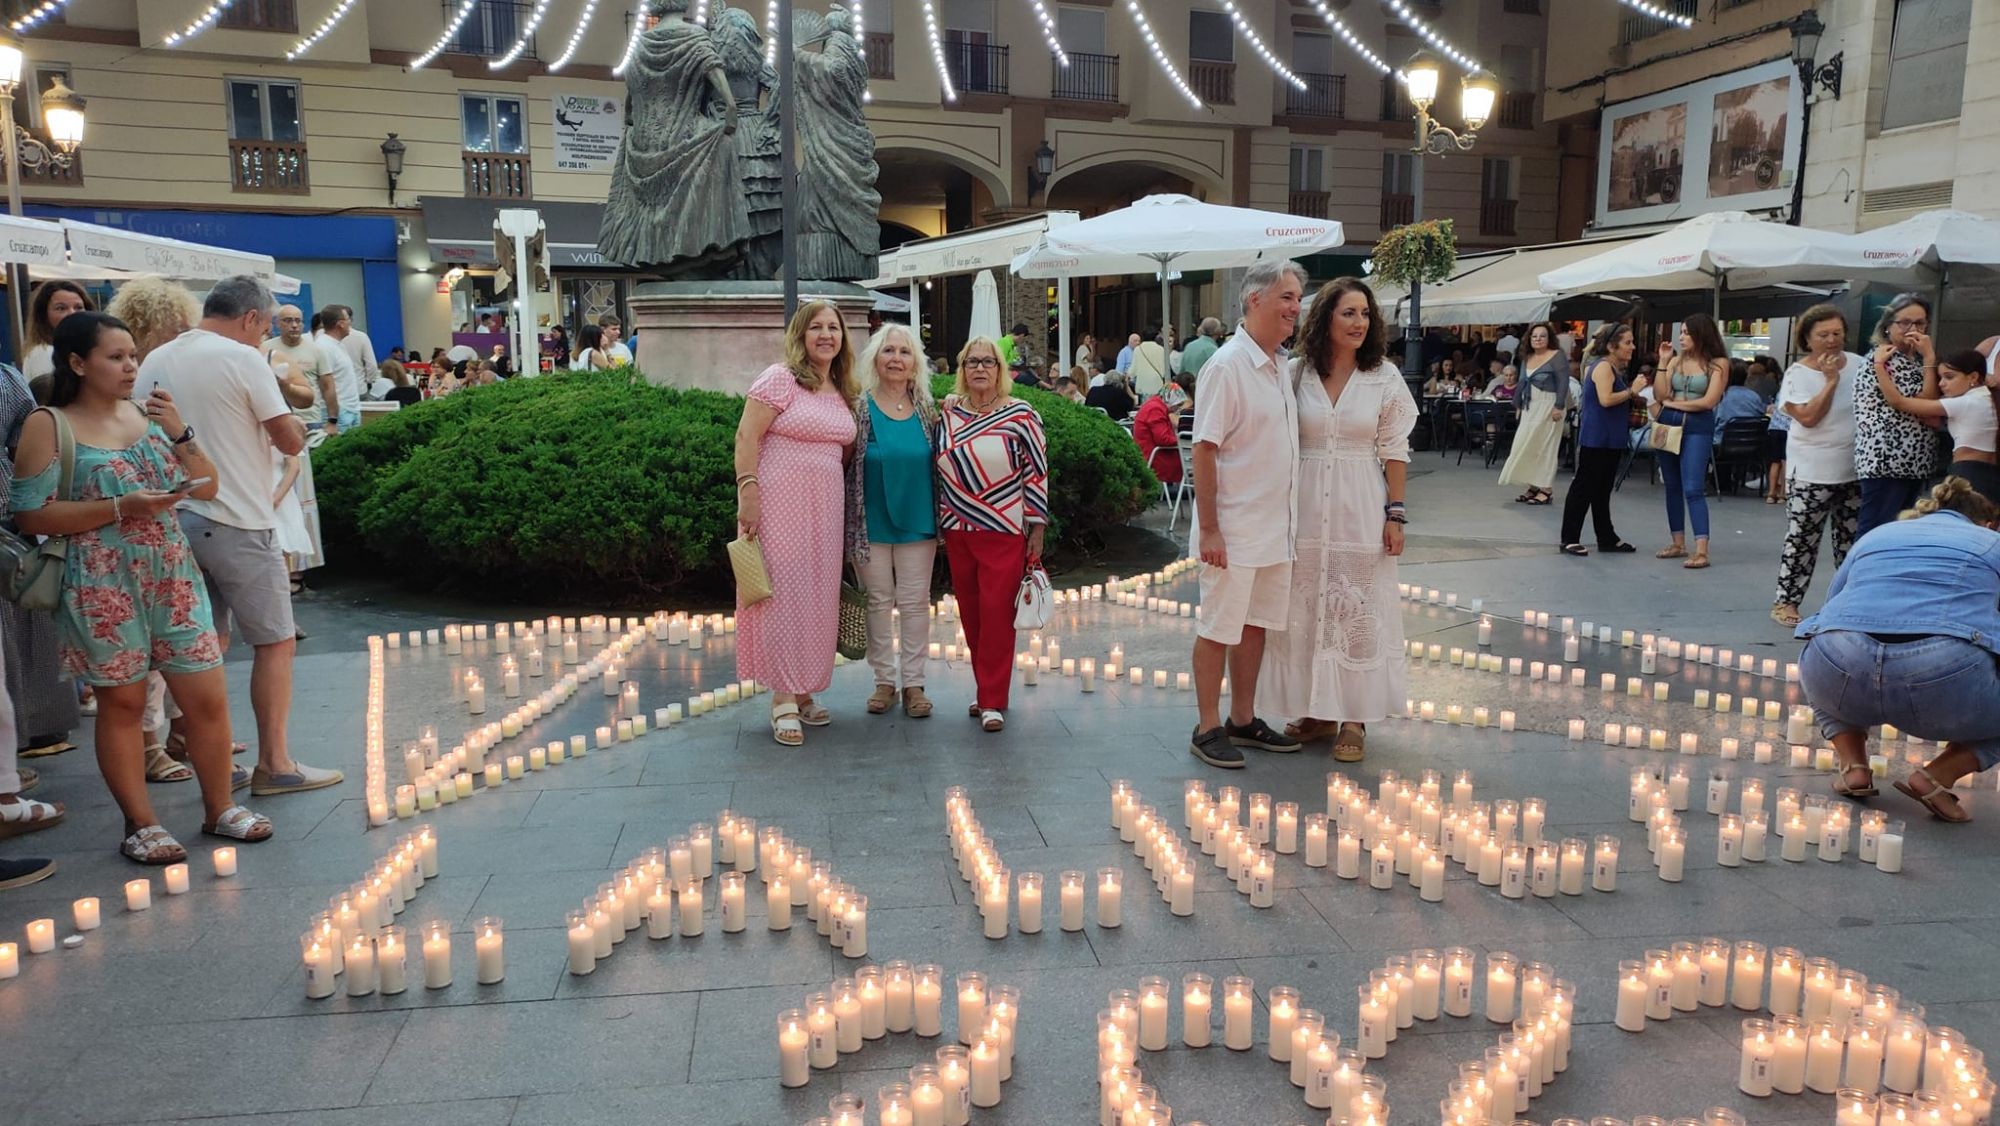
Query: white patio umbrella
[[1725, 249], [1934, 240], [1164, 233], [985, 307]]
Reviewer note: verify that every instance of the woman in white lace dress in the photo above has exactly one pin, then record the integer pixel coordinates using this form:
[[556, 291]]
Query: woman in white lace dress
[[1338, 664]]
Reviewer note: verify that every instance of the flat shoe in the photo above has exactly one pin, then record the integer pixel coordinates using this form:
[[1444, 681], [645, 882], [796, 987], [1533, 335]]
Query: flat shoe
[[239, 824], [1697, 563], [916, 705], [296, 780], [1671, 553], [1619, 548], [48, 749]]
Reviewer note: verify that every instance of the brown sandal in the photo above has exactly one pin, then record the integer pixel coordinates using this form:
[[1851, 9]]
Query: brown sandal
[[163, 767], [1306, 730], [1697, 562], [1672, 551], [1934, 799], [916, 705], [1351, 745], [1865, 790], [880, 699]]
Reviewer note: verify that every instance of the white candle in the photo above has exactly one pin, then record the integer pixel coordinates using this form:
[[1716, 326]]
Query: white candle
[[1109, 895], [1195, 1009], [1236, 1009], [1759, 1051], [985, 1063], [437, 955], [1153, 1014], [1889, 848], [488, 946], [1604, 864], [794, 1063], [138, 895], [1458, 982], [176, 876], [1571, 866], [1633, 993], [1788, 1063]]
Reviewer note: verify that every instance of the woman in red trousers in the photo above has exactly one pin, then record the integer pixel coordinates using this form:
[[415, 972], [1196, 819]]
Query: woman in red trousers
[[993, 501]]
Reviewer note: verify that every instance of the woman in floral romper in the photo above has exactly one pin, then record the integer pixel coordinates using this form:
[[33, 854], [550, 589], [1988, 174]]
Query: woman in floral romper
[[132, 599]]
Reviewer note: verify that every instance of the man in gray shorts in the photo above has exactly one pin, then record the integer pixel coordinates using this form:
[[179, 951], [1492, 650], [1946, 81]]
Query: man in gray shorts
[[228, 394]]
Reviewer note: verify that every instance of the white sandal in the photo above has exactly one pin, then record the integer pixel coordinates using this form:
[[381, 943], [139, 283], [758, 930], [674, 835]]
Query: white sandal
[[239, 824], [153, 845], [26, 815], [990, 720], [785, 727]]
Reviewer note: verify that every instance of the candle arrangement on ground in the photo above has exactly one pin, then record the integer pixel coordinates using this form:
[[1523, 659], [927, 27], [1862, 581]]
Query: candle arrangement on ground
[[1158, 846], [904, 999], [357, 935], [1500, 1086]]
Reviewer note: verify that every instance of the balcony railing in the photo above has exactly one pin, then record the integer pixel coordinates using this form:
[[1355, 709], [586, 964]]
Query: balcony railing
[[1637, 25], [1325, 95], [49, 173], [1517, 110], [976, 68], [1213, 82], [1087, 78], [276, 167], [1496, 216], [1397, 210], [1312, 205], [497, 175], [880, 48], [260, 15]]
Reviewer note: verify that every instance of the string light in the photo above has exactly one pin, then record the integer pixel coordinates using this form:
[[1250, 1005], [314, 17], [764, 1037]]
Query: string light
[[1049, 35], [1257, 44], [701, 13], [527, 33], [42, 12], [937, 51], [1346, 33], [201, 23], [631, 41], [1430, 36], [575, 37], [771, 32], [1678, 19], [450, 32], [319, 33], [861, 42], [1159, 53]]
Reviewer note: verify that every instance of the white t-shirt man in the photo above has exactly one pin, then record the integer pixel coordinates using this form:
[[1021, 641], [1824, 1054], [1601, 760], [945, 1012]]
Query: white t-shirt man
[[1823, 454], [307, 360], [226, 392], [360, 350], [1248, 412], [346, 380]]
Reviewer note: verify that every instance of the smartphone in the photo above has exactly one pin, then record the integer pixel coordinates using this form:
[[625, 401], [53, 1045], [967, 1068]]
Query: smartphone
[[191, 486]]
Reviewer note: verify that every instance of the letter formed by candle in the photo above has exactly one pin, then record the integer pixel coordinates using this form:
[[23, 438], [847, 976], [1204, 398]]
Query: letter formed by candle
[[1237, 1003], [489, 949]]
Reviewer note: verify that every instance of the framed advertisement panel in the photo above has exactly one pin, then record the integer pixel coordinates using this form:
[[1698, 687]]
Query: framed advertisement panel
[[1728, 143]]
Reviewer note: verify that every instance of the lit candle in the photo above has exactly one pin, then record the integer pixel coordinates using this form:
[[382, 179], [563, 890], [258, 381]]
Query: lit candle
[[225, 861], [1788, 1063], [176, 876], [1753, 1073], [437, 954], [1236, 1009], [1604, 864], [138, 895], [1109, 895], [1634, 991], [1571, 867], [1458, 982], [489, 950], [1787, 978]]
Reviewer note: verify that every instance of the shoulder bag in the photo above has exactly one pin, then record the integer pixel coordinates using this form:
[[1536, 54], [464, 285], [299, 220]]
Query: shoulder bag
[[852, 640], [31, 574], [1035, 603]]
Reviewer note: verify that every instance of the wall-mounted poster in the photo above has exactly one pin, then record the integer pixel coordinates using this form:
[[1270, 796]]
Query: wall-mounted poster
[[1728, 143], [1648, 151]]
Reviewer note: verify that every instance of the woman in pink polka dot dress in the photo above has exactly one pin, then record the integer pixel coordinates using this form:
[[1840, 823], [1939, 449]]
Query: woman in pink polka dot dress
[[798, 423]]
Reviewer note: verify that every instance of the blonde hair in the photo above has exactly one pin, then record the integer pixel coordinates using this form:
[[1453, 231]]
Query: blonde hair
[[156, 310], [920, 375], [394, 372], [1956, 494], [1000, 376], [842, 368]]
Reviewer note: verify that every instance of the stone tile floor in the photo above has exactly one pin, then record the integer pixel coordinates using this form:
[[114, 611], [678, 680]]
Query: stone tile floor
[[194, 1010]]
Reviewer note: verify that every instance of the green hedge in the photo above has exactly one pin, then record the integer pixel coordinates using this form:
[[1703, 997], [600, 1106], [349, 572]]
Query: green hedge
[[598, 484]]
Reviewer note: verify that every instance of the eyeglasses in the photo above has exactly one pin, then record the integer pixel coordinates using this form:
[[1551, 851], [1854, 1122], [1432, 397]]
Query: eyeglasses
[[1899, 322], [982, 362]]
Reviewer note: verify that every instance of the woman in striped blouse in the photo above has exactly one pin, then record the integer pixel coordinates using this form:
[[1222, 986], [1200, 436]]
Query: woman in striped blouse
[[993, 478]]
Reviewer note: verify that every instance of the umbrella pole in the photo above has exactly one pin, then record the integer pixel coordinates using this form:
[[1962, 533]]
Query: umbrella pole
[[1062, 364]]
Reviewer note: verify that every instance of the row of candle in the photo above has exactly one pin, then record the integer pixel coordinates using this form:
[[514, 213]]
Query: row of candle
[[1409, 833], [1790, 1055], [1239, 849], [790, 875], [87, 912], [1500, 1085], [876, 1001], [1853, 1107], [1576, 676], [901, 998], [373, 958], [937, 1094], [1768, 668]]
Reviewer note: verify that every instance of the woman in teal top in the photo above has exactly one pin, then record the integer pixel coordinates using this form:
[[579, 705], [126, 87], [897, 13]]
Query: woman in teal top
[[892, 512], [132, 598], [1697, 374]]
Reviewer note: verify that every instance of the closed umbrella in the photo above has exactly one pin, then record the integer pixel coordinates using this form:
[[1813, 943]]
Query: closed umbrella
[[985, 307], [1164, 233]]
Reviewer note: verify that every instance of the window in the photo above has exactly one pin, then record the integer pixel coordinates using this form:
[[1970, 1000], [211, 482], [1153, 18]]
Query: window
[[1308, 168], [489, 30], [1496, 179], [1398, 174], [1926, 62], [1081, 30], [28, 95], [493, 123], [260, 15], [1311, 53], [263, 109], [1211, 37]]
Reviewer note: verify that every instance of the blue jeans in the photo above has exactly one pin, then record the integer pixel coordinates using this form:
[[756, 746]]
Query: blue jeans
[[1686, 473], [1883, 499], [1939, 688]]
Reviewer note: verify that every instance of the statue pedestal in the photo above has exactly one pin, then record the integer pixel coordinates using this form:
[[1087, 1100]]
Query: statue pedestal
[[720, 335]]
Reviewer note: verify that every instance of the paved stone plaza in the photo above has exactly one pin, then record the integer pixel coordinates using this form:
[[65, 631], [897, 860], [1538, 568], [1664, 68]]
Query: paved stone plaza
[[195, 1009]]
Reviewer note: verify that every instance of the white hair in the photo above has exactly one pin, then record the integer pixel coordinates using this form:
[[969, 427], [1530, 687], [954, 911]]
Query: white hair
[[1264, 275], [920, 374]]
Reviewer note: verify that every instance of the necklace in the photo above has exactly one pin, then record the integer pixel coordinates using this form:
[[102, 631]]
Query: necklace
[[982, 408], [897, 408]]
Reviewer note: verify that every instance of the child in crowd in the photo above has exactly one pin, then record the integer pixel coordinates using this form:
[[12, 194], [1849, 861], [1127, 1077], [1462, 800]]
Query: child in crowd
[[1969, 410]]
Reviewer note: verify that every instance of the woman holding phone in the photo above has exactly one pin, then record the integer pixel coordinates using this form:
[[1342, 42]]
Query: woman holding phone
[[132, 599]]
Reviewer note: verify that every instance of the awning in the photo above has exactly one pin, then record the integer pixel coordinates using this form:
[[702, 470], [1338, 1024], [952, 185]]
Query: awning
[[1494, 287], [31, 242], [981, 248], [92, 246], [460, 230]]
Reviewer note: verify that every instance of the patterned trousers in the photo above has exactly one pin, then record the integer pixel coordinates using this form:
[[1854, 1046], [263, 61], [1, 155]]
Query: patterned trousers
[[1808, 507]]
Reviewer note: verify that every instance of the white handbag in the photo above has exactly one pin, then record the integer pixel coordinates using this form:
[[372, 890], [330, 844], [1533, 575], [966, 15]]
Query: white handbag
[[1036, 603]]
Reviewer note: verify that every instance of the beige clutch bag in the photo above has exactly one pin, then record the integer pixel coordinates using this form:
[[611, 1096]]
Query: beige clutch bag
[[753, 582]]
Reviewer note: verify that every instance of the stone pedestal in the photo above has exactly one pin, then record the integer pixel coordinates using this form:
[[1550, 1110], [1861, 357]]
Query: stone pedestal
[[720, 335]]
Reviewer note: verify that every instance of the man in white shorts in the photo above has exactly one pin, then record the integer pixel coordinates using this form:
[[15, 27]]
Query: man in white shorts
[[1246, 452]]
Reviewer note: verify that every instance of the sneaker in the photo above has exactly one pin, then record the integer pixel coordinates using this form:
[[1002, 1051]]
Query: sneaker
[[296, 780], [1214, 748], [1258, 734], [21, 873]]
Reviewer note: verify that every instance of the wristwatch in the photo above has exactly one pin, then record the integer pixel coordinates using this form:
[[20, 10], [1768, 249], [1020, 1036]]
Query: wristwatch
[[187, 435]]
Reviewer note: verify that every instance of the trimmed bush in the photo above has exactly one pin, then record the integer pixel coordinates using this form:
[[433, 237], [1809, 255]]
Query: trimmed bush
[[600, 485]]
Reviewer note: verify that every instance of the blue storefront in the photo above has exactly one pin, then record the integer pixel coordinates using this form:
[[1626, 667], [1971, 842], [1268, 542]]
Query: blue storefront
[[349, 259]]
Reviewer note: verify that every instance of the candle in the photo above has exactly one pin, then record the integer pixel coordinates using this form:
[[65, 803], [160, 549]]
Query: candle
[[1866, 1039], [176, 877], [1373, 1020], [1788, 1063], [225, 861], [1753, 1073], [1634, 992], [1458, 982], [985, 1063], [1236, 1008], [1903, 1056], [1109, 894], [437, 954], [1672, 856], [1571, 866], [1430, 883], [926, 998], [1787, 977], [1604, 864], [1729, 841], [360, 966], [1153, 1013], [1889, 848], [1824, 1051], [1196, 990]]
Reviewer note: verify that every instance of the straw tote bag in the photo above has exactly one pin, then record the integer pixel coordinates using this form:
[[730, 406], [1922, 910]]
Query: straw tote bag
[[753, 581]]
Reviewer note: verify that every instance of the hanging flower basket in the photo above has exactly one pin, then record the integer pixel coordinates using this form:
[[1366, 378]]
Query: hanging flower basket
[[1425, 251]]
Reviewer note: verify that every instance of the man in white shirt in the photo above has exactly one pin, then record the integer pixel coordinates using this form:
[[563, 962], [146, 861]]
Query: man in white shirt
[[226, 393], [359, 348], [614, 348], [1246, 452], [305, 358], [336, 324]]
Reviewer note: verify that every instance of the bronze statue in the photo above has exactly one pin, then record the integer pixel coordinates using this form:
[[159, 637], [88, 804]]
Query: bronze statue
[[839, 231]]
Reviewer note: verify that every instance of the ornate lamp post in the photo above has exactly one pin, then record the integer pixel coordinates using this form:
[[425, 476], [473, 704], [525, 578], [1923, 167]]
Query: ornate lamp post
[[1806, 29], [392, 162], [63, 116], [1477, 95]]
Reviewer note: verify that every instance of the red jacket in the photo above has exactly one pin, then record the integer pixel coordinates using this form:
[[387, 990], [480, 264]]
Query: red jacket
[[1153, 428]]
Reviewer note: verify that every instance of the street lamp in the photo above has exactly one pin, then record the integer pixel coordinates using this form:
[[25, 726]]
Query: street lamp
[[63, 115], [392, 161], [1806, 29], [1422, 76], [1043, 167]]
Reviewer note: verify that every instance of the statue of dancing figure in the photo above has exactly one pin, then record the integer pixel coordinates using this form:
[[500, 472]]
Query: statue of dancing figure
[[839, 228]]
